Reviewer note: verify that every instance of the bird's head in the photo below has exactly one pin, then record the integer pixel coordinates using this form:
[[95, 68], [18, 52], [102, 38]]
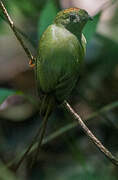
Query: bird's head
[[72, 17]]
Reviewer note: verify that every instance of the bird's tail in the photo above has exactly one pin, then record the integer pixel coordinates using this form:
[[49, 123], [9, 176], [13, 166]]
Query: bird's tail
[[47, 106], [47, 103]]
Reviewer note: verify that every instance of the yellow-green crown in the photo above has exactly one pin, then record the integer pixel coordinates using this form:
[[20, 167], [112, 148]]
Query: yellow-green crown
[[75, 15]]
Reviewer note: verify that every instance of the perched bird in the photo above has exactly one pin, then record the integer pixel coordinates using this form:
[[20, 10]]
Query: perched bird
[[62, 48]]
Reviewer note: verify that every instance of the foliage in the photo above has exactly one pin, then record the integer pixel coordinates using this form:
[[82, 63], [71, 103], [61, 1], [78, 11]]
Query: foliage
[[44, 20], [4, 93], [67, 155], [90, 28]]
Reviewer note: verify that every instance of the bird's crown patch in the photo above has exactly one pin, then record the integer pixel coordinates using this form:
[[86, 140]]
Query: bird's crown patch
[[71, 10]]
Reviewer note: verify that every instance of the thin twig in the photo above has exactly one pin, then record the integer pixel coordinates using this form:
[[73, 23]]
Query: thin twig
[[32, 42], [104, 150], [15, 32], [64, 129]]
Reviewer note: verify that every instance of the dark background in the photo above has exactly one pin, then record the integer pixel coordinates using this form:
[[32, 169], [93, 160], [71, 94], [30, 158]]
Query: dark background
[[71, 155]]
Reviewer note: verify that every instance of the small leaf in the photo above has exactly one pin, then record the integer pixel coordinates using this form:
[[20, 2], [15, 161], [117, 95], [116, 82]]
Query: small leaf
[[16, 106], [4, 93], [47, 16], [90, 27], [6, 174]]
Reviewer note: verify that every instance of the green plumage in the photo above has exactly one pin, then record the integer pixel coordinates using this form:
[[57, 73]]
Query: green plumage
[[61, 51]]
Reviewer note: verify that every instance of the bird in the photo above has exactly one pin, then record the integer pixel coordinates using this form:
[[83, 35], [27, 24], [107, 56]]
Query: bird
[[61, 52]]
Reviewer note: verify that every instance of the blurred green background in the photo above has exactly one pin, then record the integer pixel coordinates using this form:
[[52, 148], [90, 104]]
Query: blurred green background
[[65, 155]]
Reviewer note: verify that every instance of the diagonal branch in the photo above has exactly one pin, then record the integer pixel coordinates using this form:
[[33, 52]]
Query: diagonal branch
[[32, 42], [63, 130], [15, 32], [91, 136]]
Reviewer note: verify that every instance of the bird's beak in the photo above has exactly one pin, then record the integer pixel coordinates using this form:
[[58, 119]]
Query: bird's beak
[[90, 18]]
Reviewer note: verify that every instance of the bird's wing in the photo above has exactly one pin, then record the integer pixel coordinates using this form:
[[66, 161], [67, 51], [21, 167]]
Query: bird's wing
[[60, 55]]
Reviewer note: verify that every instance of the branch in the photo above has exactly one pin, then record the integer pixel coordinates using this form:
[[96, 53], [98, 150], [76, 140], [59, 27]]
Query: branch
[[90, 134], [15, 32], [32, 42], [63, 130]]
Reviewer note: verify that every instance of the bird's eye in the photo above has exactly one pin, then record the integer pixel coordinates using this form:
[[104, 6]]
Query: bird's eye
[[72, 17]]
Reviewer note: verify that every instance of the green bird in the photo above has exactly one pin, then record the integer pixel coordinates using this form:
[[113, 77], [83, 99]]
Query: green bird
[[62, 48]]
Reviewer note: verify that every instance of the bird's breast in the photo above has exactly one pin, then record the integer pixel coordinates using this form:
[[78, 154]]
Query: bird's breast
[[60, 56], [57, 40]]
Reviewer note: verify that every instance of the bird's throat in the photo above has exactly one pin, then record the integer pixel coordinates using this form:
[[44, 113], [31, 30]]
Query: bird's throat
[[76, 30]]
